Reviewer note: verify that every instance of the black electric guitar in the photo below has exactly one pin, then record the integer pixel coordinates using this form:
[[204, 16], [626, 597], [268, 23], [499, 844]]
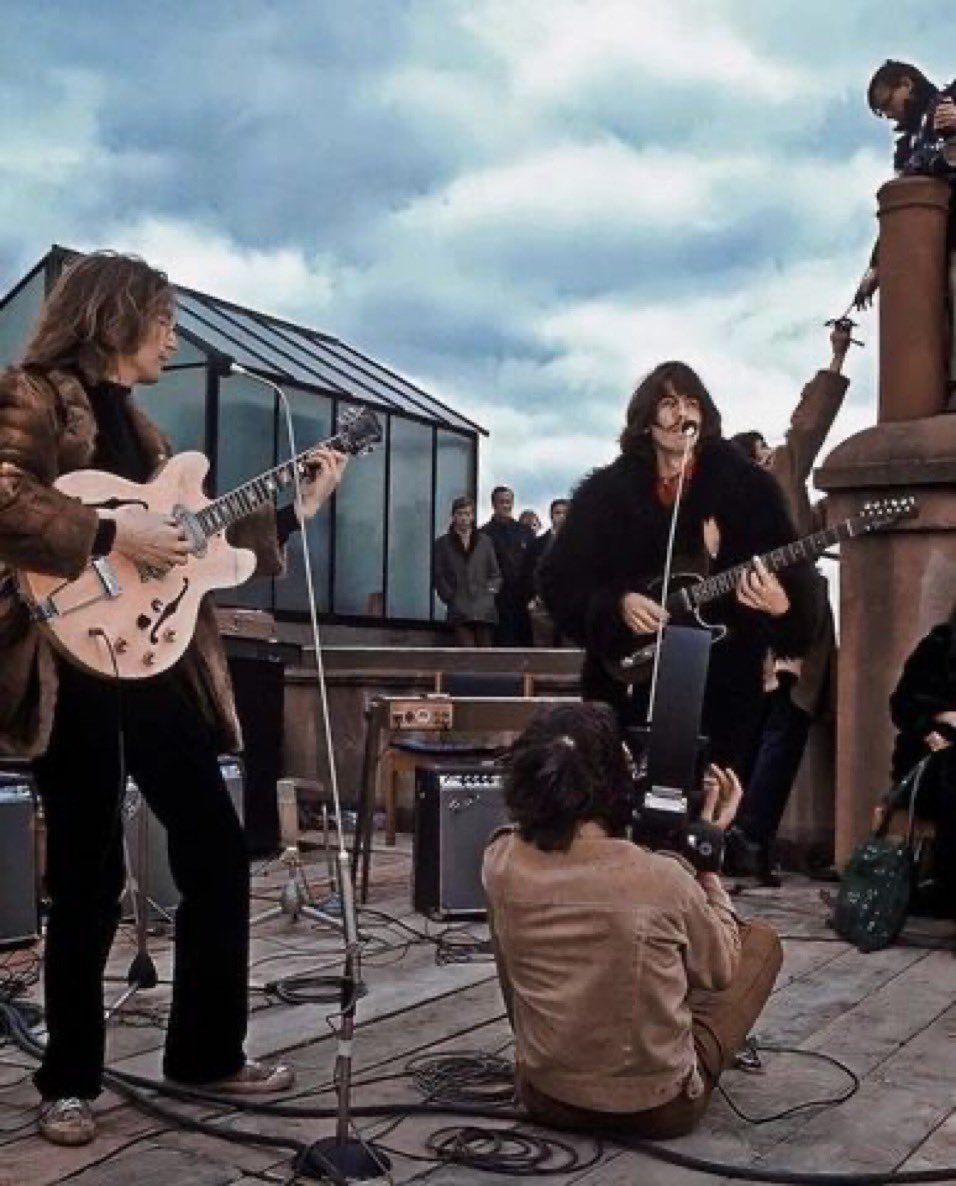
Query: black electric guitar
[[690, 591]]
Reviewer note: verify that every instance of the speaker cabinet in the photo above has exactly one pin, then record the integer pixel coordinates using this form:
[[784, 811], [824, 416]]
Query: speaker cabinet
[[146, 842], [456, 810], [19, 917]]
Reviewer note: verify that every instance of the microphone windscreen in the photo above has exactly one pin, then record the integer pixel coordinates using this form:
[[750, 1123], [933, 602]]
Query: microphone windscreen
[[223, 365]]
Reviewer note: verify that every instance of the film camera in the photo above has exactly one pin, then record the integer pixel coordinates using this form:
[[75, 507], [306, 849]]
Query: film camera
[[933, 154], [668, 796]]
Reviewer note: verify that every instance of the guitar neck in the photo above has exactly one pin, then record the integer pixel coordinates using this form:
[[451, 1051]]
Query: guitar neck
[[808, 548], [251, 495]]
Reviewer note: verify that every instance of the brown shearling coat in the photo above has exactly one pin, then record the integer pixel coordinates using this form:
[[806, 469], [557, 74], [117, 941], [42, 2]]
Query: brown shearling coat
[[47, 429], [791, 464]]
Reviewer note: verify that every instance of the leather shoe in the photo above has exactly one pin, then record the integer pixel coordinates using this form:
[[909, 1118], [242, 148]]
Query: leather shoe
[[741, 854], [67, 1121], [254, 1078]]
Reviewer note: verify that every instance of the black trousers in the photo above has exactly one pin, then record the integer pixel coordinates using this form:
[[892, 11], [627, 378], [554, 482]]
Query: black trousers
[[170, 752], [775, 766]]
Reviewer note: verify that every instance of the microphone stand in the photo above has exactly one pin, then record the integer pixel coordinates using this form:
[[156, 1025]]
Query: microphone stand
[[340, 1158], [689, 431]]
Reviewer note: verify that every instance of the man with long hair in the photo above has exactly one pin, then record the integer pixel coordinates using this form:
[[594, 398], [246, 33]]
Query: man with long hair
[[630, 984], [109, 324], [615, 540], [925, 117]]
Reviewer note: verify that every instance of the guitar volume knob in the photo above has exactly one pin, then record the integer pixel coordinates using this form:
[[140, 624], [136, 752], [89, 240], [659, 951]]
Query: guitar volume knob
[[169, 635], [121, 646], [149, 658]]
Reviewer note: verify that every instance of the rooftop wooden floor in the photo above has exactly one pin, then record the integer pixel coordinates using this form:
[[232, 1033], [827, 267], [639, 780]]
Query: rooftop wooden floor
[[889, 1016]]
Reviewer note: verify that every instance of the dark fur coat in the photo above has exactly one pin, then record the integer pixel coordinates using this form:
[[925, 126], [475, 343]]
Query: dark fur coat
[[927, 685], [615, 539], [47, 428]]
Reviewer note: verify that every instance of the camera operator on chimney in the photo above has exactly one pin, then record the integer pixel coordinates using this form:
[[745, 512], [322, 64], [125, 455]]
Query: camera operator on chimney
[[629, 982]]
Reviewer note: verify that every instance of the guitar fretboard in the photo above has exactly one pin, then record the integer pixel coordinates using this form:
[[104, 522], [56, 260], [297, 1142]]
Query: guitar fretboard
[[808, 548], [251, 495]]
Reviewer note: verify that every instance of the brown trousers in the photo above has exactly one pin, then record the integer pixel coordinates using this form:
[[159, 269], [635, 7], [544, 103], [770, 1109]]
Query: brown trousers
[[721, 1023]]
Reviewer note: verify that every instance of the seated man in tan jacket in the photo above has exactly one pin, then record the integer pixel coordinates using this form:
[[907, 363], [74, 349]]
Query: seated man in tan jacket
[[629, 982]]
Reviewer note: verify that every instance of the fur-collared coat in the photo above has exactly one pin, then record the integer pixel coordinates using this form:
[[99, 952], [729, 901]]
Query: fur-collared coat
[[47, 429], [615, 539]]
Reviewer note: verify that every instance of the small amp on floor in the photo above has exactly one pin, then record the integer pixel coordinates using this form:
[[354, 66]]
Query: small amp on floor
[[456, 810], [19, 917]]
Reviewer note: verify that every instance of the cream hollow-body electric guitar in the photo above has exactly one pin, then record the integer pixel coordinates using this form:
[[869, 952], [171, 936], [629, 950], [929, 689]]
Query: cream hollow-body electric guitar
[[120, 618]]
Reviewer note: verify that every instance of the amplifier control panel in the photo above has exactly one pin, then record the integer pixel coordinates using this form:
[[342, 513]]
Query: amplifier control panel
[[421, 713], [470, 780]]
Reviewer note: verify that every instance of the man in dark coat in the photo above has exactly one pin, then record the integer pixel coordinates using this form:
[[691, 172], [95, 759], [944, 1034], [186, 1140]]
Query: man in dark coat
[[803, 687], [467, 577], [923, 708], [513, 543], [925, 119], [615, 540]]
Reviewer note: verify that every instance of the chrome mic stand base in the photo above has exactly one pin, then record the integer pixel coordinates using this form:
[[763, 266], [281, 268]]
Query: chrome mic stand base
[[295, 900], [332, 1160]]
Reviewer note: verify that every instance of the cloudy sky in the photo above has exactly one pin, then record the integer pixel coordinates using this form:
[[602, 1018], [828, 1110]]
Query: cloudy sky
[[521, 204]]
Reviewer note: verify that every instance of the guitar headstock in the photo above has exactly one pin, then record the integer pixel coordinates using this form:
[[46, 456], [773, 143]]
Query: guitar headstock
[[884, 512], [360, 430]]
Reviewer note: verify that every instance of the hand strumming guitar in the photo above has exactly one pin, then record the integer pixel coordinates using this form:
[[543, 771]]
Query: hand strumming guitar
[[148, 538], [641, 614]]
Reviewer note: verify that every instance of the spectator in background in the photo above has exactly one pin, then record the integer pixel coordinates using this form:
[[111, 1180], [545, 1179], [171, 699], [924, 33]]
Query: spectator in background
[[923, 708], [543, 629], [798, 690], [467, 577], [513, 544], [529, 519]]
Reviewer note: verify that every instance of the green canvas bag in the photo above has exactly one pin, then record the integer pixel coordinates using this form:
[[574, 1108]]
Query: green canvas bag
[[877, 883]]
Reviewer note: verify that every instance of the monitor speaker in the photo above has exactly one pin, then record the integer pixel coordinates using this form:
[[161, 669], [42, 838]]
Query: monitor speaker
[[457, 808], [146, 842], [19, 916]]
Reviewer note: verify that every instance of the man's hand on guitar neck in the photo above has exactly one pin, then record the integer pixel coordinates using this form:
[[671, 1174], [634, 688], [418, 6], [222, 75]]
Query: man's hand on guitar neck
[[759, 589], [641, 614], [326, 467], [147, 538]]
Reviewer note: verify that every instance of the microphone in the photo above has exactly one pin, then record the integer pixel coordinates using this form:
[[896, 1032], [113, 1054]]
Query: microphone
[[688, 428], [225, 365]]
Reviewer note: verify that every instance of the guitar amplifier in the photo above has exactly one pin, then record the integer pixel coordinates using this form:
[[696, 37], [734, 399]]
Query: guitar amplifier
[[146, 843], [425, 713], [19, 918], [456, 810]]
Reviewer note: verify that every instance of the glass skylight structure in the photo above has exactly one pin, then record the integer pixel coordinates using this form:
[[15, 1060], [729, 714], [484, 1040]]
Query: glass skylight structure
[[372, 555]]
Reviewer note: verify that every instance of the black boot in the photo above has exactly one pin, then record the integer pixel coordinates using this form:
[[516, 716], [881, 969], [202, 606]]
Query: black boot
[[741, 854]]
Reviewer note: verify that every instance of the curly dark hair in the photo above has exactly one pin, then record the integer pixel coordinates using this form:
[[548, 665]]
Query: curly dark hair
[[641, 410], [567, 766]]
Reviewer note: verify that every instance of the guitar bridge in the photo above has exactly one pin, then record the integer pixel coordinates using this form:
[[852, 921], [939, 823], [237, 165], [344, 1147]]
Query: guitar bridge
[[49, 608]]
